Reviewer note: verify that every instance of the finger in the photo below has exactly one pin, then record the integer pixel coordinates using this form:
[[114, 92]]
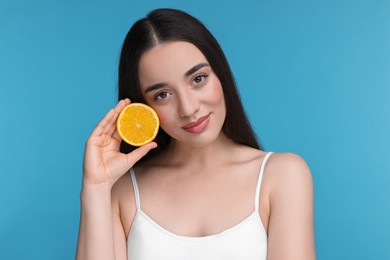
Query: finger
[[116, 136], [109, 119], [99, 129], [138, 153], [111, 127], [121, 104]]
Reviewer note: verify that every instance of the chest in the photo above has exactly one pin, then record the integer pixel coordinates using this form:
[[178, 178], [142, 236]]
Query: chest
[[199, 206], [147, 240]]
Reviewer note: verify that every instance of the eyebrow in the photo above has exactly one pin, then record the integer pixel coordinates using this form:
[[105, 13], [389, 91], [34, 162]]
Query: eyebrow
[[195, 68], [186, 74], [155, 87]]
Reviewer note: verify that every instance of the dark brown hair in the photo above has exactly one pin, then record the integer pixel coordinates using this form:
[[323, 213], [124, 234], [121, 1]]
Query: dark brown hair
[[167, 25]]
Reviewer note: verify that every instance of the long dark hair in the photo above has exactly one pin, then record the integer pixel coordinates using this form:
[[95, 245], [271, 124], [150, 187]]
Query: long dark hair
[[167, 25]]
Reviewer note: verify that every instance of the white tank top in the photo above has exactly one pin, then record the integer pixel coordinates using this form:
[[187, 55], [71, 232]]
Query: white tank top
[[247, 240]]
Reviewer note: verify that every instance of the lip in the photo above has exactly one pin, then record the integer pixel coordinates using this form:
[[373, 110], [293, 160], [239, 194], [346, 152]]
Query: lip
[[198, 126]]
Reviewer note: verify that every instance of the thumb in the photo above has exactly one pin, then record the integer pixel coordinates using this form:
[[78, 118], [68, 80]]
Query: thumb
[[138, 153]]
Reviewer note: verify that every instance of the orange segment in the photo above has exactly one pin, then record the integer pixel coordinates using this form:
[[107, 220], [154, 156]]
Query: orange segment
[[138, 124]]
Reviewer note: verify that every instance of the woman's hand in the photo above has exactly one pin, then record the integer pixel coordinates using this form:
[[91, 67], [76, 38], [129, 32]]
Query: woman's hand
[[103, 163]]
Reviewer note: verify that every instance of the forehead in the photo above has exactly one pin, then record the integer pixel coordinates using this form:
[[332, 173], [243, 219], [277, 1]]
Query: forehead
[[168, 61]]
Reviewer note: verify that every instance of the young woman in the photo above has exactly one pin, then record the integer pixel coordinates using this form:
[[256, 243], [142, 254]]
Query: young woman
[[204, 189]]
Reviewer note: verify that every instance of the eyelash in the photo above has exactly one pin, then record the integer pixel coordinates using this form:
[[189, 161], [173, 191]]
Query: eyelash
[[203, 76], [158, 97]]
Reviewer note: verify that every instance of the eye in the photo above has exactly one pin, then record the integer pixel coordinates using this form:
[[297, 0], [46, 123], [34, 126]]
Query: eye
[[199, 79], [161, 95]]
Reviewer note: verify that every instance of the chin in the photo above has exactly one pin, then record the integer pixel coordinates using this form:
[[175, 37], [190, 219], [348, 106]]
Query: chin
[[201, 140]]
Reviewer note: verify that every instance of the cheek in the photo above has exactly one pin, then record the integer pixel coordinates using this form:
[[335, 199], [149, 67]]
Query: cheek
[[215, 95], [164, 116]]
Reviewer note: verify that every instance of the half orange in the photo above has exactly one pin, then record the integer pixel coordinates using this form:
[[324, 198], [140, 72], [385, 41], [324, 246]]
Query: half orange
[[138, 124]]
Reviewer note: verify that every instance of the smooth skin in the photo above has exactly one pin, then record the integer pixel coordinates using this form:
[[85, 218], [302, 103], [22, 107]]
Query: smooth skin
[[202, 183]]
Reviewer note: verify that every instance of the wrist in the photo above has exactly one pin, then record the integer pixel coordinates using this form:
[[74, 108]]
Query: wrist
[[95, 190]]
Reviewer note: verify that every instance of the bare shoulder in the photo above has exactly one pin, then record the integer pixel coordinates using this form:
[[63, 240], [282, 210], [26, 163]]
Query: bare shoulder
[[288, 169], [245, 154], [291, 224]]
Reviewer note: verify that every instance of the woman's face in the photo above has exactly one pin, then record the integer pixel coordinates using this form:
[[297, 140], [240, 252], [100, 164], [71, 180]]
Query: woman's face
[[178, 82]]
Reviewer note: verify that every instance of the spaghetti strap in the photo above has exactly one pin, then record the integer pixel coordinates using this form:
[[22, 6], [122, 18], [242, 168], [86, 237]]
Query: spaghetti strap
[[135, 187], [259, 180]]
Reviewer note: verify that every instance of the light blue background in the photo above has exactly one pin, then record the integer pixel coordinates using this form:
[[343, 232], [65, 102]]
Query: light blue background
[[314, 77]]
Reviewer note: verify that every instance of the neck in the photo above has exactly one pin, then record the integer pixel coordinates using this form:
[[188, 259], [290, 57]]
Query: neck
[[184, 155]]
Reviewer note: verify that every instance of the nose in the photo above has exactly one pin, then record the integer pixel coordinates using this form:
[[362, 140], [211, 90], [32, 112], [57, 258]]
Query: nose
[[188, 104]]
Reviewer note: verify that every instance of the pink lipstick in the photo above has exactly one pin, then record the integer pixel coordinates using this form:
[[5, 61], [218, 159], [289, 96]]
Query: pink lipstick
[[197, 126]]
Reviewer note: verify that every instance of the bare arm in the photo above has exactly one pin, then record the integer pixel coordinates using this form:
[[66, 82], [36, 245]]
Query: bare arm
[[291, 227], [100, 232]]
